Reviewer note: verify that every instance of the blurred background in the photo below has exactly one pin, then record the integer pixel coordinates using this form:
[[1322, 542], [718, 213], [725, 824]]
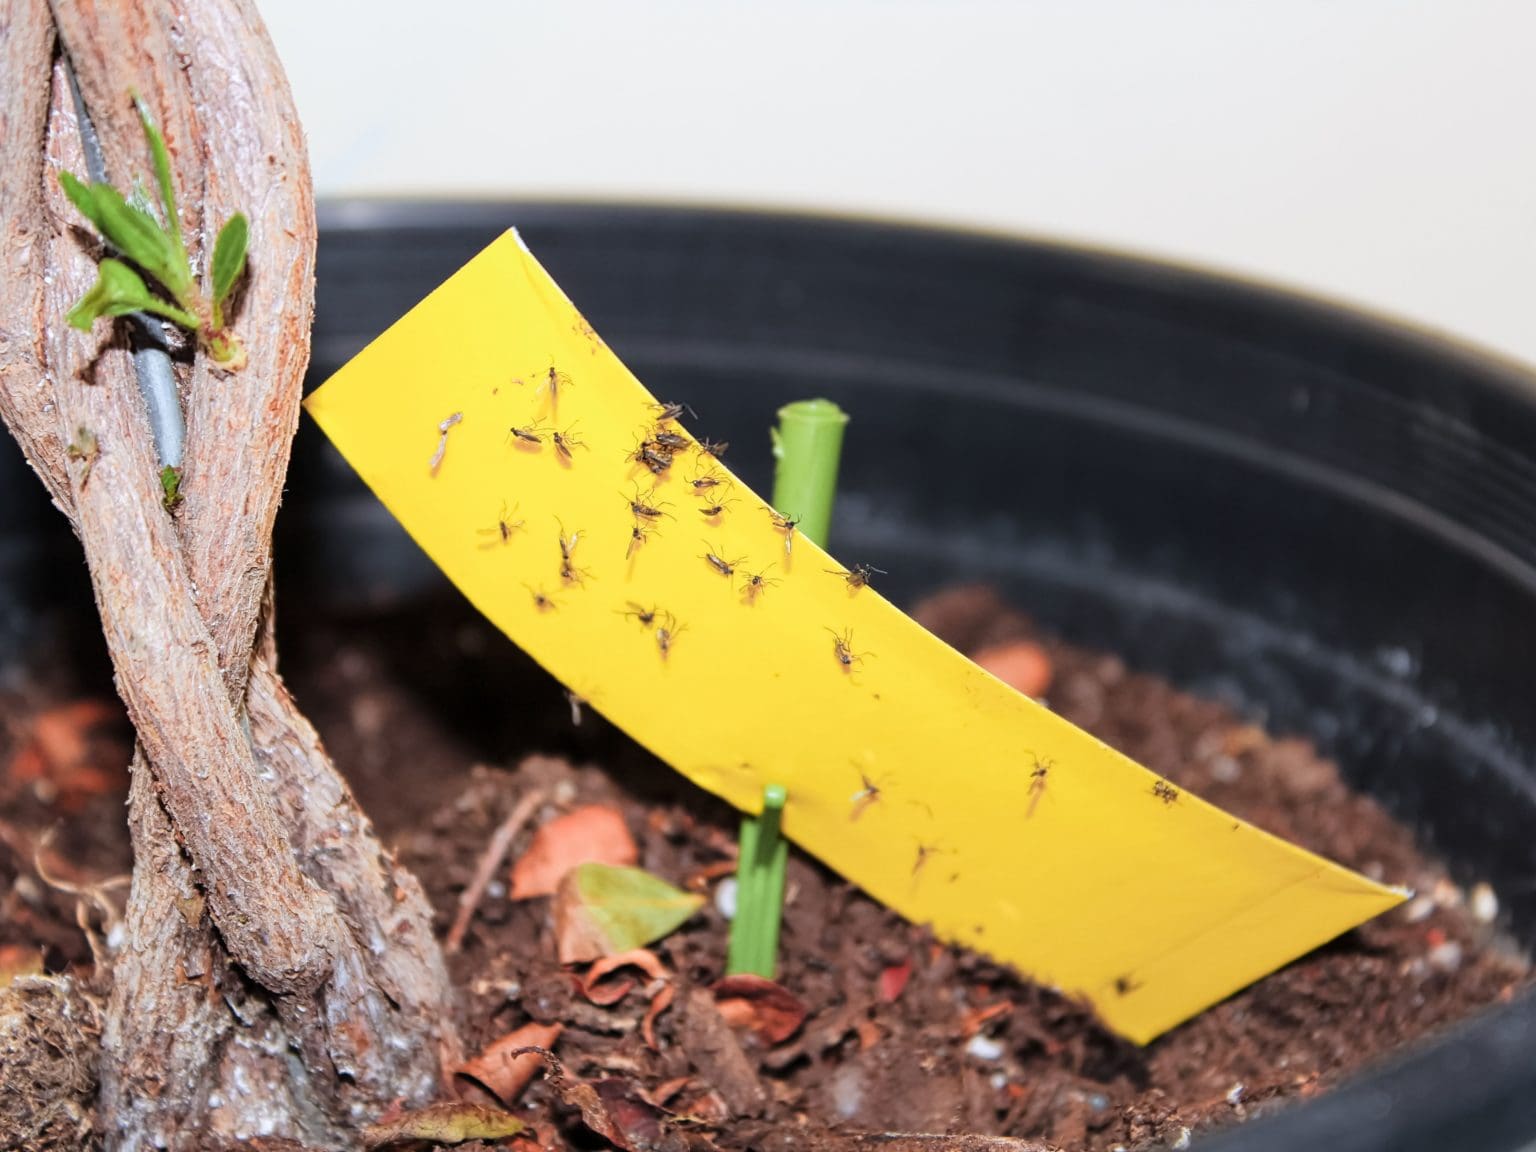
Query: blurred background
[[1379, 153]]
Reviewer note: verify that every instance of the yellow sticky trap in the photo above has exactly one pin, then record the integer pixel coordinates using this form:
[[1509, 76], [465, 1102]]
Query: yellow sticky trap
[[934, 786]]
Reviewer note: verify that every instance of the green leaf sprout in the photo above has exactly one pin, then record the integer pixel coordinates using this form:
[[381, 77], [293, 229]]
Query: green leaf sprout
[[157, 250]]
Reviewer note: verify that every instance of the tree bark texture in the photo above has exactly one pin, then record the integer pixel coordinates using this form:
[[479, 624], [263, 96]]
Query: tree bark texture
[[278, 973]]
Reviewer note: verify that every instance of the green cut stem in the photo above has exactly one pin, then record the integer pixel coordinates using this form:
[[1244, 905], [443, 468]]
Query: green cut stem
[[807, 445], [764, 854]]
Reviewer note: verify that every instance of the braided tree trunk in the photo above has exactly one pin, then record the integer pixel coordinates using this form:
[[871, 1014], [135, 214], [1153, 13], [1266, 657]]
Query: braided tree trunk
[[278, 973]]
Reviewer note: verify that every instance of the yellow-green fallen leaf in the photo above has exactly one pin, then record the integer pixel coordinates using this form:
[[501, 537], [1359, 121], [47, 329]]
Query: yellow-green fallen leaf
[[450, 1123], [601, 909]]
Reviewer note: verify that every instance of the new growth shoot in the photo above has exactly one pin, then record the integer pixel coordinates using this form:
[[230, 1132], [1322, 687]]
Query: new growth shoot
[[148, 246], [806, 446]]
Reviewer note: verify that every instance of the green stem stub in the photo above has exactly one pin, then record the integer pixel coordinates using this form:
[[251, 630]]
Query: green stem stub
[[808, 444], [754, 946]]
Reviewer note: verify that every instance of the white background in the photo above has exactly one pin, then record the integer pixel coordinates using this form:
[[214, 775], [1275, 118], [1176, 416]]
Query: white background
[[1382, 152]]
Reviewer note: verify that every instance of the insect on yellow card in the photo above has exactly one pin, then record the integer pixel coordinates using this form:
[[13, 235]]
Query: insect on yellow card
[[510, 441]]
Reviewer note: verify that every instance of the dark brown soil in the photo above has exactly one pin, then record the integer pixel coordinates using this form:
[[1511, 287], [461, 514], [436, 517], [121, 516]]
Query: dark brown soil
[[436, 718]]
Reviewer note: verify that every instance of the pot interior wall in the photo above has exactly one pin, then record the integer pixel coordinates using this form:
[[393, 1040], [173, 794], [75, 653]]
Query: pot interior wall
[[1330, 523]]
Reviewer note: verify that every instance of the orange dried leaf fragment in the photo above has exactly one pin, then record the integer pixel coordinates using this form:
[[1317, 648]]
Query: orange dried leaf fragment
[[591, 833]]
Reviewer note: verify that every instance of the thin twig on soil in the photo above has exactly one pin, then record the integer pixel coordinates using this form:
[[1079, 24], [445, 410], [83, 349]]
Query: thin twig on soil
[[495, 852]]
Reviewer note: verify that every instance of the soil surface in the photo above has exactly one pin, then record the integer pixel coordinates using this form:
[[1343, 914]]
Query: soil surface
[[442, 726]]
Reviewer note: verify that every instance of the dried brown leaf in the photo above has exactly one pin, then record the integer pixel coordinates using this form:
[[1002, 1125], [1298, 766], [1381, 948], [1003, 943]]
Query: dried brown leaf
[[594, 988], [768, 1010], [594, 832], [500, 1070]]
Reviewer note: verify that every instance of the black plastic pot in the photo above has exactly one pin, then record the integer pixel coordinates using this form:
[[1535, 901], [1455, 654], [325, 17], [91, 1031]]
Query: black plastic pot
[[1327, 520]]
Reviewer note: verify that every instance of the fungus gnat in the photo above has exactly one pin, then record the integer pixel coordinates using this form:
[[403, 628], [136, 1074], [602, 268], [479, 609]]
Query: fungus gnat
[[726, 568], [671, 441], [644, 615], [842, 648], [756, 584], [786, 525], [565, 441], [541, 601], [503, 528], [667, 633], [644, 511], [1037, 781], [670, 411], [638, 535], [858, 575], [527, 433]]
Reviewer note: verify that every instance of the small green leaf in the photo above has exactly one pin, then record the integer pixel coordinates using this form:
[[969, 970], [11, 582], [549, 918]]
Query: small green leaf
[[162, 161], [119, 291], [450, 1123], [82, 196], [228, 261], [140, 239], [601, 909], [170, 485]]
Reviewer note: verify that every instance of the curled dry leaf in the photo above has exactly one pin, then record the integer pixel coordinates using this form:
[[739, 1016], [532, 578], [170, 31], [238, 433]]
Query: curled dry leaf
[[1021, 664], [600, 910], [596, 988], [770, 1011], [451, 1123], [659, 1004], [504, 1067], [592, 833]]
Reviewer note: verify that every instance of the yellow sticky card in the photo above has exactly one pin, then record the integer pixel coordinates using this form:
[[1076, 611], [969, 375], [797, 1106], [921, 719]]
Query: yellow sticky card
[[934, 786]]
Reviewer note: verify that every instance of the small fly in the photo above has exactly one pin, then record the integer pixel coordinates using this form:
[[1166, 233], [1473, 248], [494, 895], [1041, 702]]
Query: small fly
[[842, 648], [667, 633], [707, 481], [864, 798], [756, 584], [554, 380], [644, 615], [726, 568], [669, 411], [671, 441], [656, 460], [569, 573], [1037, 778], [1165, 792], [565, 441], [442, 443], [925, 852], [858, 575], [644, 511], [715, 448], [786, 525], [638, 535], [541, 602], [528, 433], [716, 508], [1124, 985], [503, 528]]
